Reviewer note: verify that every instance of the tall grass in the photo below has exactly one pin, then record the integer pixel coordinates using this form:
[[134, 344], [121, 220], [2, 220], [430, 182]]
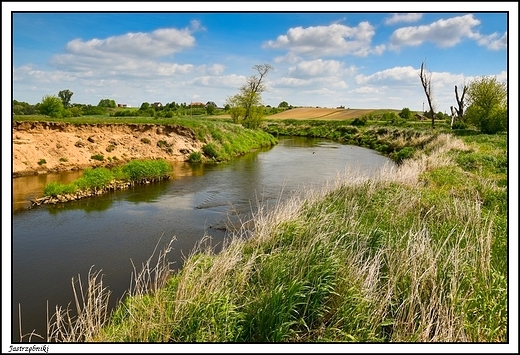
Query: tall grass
[[411, 255]]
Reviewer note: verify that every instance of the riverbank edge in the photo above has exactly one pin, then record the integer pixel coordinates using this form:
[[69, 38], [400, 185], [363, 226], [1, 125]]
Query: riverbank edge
[[199, 291], [41, 147], [81, 194]]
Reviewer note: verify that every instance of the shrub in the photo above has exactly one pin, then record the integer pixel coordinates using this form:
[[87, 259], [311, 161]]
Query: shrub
[[51, 106], [138, 170], [42, 161], [94, 178], [359, 121], [210, 150], [404, 153], [162, 144], [55, 188], [64, 160], [99, 157], [459, 125], [145, 140], [195, 157]]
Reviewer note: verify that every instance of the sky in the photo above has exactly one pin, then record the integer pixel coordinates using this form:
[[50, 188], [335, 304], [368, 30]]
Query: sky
[[325, 55]]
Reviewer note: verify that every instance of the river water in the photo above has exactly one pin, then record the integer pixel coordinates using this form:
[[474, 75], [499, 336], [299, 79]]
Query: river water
[[53, 244]]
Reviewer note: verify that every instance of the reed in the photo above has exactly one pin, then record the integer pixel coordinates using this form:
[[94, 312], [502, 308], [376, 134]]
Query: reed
[[412, 255]]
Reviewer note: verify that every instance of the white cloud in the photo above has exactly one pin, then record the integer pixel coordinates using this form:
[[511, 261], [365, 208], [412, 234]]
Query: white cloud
[[397, 18], [229, 81], [335, 39], [27, 72], [131, 54], [491, 41], [402, 74], [367, 90], [444, 33], [319, 68], [161, 42]]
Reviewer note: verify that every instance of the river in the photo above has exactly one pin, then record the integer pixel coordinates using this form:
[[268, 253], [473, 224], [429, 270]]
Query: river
[[53, 244]]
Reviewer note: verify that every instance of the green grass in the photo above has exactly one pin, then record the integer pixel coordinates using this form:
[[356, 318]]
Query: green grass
[[416, 254], [135, 171]]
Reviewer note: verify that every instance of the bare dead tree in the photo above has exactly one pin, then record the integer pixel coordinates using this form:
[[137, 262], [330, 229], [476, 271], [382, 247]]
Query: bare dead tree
[[460, 101], [426, 81], [453, 115]]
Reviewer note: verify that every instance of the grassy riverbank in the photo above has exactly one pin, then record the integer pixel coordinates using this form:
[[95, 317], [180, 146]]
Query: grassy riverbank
[[222, 139], [134, 172], [418, 254]]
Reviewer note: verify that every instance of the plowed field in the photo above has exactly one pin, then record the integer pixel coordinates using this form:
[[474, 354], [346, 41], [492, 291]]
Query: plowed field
[[304, 113]]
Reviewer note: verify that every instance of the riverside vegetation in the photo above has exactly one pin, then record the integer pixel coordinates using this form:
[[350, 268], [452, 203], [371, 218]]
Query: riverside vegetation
[[416, 254]]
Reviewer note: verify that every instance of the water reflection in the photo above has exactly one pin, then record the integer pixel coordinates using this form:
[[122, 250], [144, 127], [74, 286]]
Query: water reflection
[[52, 244]]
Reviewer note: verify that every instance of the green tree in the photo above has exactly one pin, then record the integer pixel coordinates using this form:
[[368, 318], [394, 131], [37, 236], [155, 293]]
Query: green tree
[[405, 113], [65, 96], [51, 105], [247, 104], [235, 108], [76, 111], [283, 104], [487, 104], [107, 103]]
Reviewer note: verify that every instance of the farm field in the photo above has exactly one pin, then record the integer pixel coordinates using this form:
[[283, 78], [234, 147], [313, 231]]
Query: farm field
[[307, 113]]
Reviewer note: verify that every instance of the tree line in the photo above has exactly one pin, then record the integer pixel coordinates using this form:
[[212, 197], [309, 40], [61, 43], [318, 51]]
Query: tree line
[[482, 102]]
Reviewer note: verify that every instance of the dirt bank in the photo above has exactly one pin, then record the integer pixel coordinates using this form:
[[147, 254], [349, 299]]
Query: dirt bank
[[44, 147]]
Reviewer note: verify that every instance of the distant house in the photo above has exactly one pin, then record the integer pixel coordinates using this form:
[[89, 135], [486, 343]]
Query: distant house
[[420, 117], [197, 104], [157, 104], [211, 103], [122, 105]]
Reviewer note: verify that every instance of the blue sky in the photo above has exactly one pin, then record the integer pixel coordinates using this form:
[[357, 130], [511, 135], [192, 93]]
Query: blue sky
[[327, 59]]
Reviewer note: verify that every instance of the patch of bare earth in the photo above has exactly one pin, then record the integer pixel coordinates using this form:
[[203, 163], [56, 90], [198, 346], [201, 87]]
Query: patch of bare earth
[[44, 147]]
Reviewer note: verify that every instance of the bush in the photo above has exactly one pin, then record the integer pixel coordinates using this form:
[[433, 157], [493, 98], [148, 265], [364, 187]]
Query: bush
[[404, 153], [99, 157], [195, 157], [405, 114], [94, 178], [145, 140], [359, 121], [210, 151], [138, 170], [487, 99], [42, 161], [51, 106], [459, 125]]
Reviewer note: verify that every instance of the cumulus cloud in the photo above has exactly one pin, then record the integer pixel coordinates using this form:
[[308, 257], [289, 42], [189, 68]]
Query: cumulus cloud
[[319, 67], [158, 43], [228, 81], [447, 33], [398, 18], [444, 33], [492, 41], [135, 54], [335, 39], [402, 74], [29, 72]]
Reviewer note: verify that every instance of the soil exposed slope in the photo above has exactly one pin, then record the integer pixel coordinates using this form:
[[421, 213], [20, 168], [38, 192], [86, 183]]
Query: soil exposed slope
[[65, 146]]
